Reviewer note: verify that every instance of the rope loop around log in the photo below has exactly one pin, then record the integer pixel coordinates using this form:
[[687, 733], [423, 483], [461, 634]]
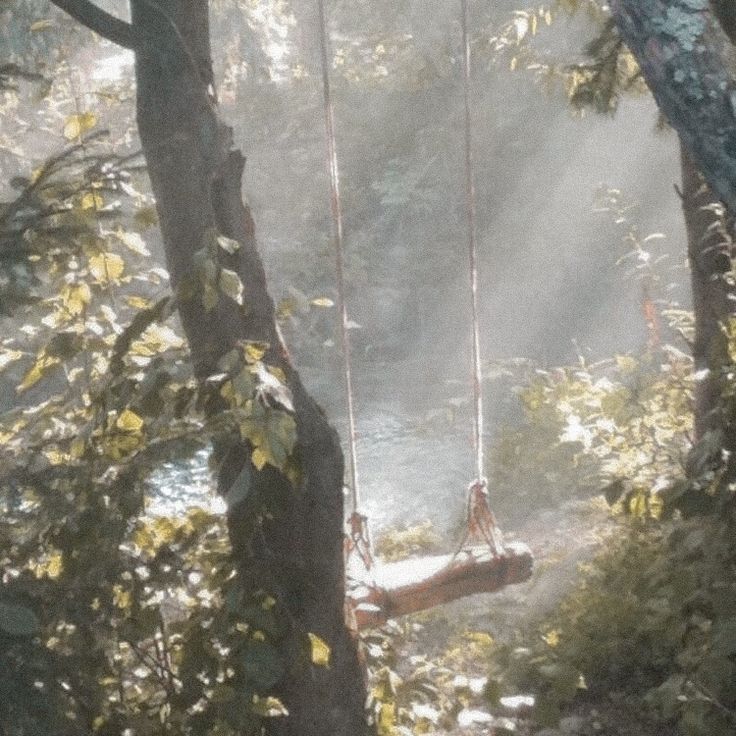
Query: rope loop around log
[[358, 542], [481, 527]]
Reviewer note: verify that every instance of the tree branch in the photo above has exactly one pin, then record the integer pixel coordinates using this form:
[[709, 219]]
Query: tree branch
[[686, 59], [102, 22], [725, 11]]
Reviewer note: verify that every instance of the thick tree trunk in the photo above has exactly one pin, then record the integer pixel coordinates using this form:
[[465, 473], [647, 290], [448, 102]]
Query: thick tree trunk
[[687, 61], [710, 250], [196, 178]]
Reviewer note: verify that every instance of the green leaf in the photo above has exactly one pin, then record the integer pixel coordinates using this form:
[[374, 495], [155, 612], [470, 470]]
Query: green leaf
[[231, 285], [9, 356], [240, 488], [228, 244], [18, 621], [158, 312], [613, 491], [271, 432], [269, 707], [210, 297]]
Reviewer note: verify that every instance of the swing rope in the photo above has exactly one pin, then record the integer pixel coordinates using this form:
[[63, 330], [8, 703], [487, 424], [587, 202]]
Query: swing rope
[[481, 524], [357, 541], [336, 207], [384, 593], [470, 209]]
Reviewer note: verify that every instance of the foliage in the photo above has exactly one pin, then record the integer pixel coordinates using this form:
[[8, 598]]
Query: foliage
[[113, 618], [403, 542], [652, 619], [58, 218], [429, 691], [651, 622], [607, 71], [620, 424]]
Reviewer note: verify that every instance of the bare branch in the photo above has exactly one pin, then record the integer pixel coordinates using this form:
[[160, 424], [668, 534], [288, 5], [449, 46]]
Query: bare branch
[[102, 22]]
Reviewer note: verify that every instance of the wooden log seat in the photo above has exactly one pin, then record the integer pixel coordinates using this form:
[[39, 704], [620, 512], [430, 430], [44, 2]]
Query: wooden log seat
[[394, 589]]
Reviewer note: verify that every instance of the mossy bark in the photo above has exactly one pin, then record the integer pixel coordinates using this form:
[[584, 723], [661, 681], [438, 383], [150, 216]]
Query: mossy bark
[[710, 250], [688, 62]]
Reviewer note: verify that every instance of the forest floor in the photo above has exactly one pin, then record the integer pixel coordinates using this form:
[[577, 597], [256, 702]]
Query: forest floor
[[443, 656]]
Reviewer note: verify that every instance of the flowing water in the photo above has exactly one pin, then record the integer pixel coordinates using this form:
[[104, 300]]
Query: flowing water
[[410, 471]]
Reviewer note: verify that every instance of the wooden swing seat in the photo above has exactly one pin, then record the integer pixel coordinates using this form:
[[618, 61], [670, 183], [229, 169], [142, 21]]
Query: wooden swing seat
[[408, 586]]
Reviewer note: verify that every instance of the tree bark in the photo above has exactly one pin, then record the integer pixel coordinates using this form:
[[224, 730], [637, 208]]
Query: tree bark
[[687, 60], [710, 250], [196, 178]]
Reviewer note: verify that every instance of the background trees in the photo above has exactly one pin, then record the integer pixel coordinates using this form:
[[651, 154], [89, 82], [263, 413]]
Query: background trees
[[174, 632]]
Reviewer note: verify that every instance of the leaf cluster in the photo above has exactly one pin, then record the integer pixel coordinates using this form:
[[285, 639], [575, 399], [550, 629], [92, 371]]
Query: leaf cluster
[[113, 617]]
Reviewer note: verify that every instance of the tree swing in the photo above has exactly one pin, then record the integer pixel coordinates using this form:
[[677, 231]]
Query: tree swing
[[482, 563]]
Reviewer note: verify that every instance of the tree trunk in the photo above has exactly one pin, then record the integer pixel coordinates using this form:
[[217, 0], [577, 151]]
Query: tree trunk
[[710, 250], [196, 178], [688, 62]]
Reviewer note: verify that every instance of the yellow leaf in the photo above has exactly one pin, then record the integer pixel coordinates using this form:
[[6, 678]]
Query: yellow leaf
[[41, 25], [269, 707], [134, 242], [386, 719], [92, 201], [254, 351], [274, 370], [481, 638], [228, 244], [129, 421], [38, 369], [55, 456], [322, 301], [228, 392], [76, 125], [8, 357], [77, 448], [285, 308], [552, 638], [75, 297], [210, 297], [231, 285], [121, 597], [138, 302], [106, 267], [259, 458], [146, 217], [156, 339], [50, 567], [626, 364], [320, 651]]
